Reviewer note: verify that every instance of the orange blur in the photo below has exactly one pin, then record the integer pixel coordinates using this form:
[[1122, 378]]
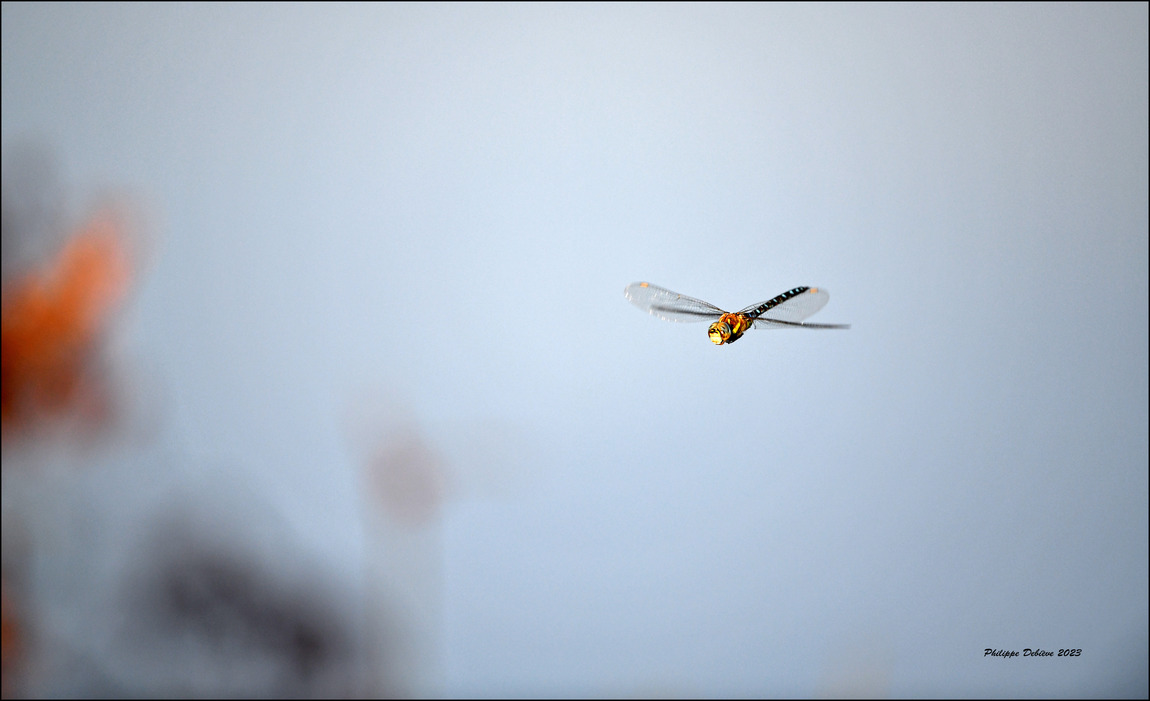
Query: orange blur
[[52, 318]]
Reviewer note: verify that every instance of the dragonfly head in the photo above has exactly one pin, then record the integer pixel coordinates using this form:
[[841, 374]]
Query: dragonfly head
[[720, 332]]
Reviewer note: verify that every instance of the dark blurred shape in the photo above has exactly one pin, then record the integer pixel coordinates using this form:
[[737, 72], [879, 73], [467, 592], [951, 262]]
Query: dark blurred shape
[[216, 598], [12, 654], [53, 319], [215, 618]]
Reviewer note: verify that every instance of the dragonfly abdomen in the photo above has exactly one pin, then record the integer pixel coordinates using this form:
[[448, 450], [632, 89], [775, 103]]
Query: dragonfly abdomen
[[776, 301]]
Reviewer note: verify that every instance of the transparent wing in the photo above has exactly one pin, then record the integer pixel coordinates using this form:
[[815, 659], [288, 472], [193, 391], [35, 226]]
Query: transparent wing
[[776, 324], [790, 308], [668, 305]]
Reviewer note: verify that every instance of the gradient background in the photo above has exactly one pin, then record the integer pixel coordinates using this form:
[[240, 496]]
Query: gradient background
[[424, 216]]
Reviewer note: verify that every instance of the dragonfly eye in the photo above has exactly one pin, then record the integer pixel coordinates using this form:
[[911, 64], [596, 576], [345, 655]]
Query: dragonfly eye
[[719, 332]]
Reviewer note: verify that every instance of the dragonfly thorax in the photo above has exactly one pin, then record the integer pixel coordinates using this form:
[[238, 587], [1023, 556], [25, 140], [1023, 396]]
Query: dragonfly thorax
[[728, 328]]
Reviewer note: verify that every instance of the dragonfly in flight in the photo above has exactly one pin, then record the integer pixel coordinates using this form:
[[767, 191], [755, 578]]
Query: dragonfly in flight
[[786, 311]]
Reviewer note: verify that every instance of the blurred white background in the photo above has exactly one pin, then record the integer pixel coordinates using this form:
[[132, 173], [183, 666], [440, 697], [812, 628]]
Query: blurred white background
[[446, 201]]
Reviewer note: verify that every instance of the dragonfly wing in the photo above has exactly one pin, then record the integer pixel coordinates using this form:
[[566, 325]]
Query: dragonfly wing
[[777, 324], [668, 305]]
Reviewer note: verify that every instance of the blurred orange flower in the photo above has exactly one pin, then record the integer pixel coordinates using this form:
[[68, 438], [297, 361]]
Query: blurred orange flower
[[52, 318]]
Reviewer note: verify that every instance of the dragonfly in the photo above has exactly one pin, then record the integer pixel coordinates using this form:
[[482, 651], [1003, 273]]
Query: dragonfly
[[785, 311]]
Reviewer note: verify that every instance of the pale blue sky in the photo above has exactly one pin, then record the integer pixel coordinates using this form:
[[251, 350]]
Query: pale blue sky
[[447, 201]]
